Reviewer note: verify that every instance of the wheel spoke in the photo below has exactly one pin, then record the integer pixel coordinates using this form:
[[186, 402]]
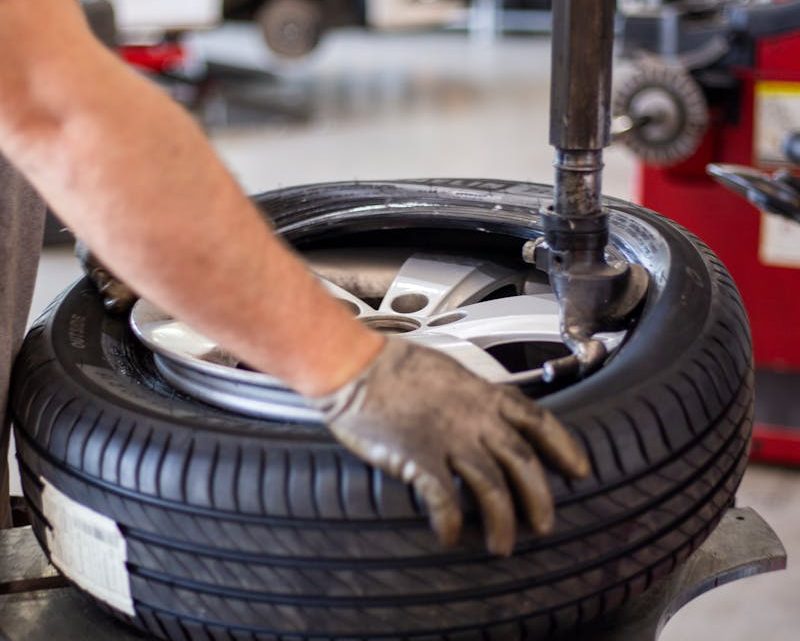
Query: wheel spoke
[[357, 306], [468, 354], [532, 317], [428, 284], [516, 319]]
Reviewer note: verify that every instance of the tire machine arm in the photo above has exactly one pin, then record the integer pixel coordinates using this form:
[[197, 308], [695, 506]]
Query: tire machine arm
[[777, 192], [594, 294]]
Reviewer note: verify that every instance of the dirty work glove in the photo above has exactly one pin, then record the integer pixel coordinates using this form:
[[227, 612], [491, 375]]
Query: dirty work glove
[[420, 416], [118, 298]]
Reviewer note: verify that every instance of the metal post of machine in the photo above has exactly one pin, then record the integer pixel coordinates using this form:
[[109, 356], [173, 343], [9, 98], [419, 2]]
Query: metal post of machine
[[593, 295], [580, 104]]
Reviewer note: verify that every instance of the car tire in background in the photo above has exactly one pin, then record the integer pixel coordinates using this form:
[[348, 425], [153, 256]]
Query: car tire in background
[[291, 28], [212, 525]]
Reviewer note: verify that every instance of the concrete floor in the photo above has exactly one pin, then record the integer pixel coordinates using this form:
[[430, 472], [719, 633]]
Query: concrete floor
[[407, 106]]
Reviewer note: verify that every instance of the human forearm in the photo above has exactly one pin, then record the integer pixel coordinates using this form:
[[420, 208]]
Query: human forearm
[[135, 178]]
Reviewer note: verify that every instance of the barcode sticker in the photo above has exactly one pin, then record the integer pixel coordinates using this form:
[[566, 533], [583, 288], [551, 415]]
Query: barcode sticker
[[88, 548], [779, 245]]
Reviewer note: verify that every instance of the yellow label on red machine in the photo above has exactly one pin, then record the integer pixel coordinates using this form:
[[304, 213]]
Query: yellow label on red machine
[[777, 112]]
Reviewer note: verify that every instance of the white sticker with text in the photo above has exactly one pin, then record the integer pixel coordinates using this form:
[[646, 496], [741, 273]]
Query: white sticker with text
[[88, 548]]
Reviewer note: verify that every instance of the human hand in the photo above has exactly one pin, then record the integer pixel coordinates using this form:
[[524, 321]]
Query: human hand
[[420, 416], [117, 296]]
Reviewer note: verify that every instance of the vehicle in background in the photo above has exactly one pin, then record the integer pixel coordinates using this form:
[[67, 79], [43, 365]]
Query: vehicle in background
[[291, 28], [148, 21]]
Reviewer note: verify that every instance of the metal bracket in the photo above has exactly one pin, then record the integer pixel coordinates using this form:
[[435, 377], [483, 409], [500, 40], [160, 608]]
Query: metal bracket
[[34, 605], [742, 545], [593, 297]]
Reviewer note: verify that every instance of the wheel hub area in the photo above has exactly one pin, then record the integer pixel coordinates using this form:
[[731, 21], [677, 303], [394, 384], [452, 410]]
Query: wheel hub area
[[499, 322], [392, 324]]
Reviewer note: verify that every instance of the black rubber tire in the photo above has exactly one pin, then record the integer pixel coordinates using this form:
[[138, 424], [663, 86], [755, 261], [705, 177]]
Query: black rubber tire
[[244, 529], [291, 28]]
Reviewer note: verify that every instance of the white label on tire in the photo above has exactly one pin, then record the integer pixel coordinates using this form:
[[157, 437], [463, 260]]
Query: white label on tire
[[779, 245], [88, 548]]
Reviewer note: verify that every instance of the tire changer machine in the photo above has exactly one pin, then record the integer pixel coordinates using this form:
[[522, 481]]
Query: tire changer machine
[[42, 607], [713, 114]]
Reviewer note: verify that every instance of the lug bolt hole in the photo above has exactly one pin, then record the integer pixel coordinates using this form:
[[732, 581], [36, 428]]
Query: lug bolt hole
[[391, 324], [409, 303], [351, 307]]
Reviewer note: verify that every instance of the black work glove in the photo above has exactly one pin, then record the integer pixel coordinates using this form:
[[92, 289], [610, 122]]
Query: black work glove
[[118, 298], [420, 416]]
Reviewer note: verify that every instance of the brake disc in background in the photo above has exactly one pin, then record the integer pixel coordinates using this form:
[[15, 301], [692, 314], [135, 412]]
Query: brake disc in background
[[664, 111]]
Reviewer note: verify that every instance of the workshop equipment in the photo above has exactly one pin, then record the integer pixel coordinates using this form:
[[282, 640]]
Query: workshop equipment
[[594, 294], [775, 193], [719, 82]]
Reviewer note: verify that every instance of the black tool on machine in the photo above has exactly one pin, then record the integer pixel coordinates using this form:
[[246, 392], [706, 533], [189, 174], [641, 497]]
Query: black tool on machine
[[776, 193]]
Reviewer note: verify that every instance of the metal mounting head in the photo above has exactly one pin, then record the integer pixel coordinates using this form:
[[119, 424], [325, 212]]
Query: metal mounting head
[[593, 297]]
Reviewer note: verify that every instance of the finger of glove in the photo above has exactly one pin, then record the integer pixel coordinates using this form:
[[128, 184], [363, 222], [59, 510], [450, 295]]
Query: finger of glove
[[427, 472], [547, 433], [529, 479], [435, 486], [485, 479]]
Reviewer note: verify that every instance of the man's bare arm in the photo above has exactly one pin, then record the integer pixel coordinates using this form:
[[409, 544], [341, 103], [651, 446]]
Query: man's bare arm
[[132, 174]]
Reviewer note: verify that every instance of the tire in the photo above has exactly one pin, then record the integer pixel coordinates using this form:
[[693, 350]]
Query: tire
[[244, 529], [291, 28]]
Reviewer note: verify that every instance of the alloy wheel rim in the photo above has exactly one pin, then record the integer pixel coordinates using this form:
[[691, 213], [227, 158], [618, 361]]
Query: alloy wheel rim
[[475, 310]]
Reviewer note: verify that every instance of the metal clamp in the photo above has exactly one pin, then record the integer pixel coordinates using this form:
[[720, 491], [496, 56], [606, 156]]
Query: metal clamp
[[742, 545]]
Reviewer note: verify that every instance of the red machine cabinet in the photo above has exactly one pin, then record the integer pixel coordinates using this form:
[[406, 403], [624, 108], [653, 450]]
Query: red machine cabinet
[[735, 230]]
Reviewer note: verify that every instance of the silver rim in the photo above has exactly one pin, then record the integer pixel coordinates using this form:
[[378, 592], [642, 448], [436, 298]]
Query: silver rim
[[462, 306]]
